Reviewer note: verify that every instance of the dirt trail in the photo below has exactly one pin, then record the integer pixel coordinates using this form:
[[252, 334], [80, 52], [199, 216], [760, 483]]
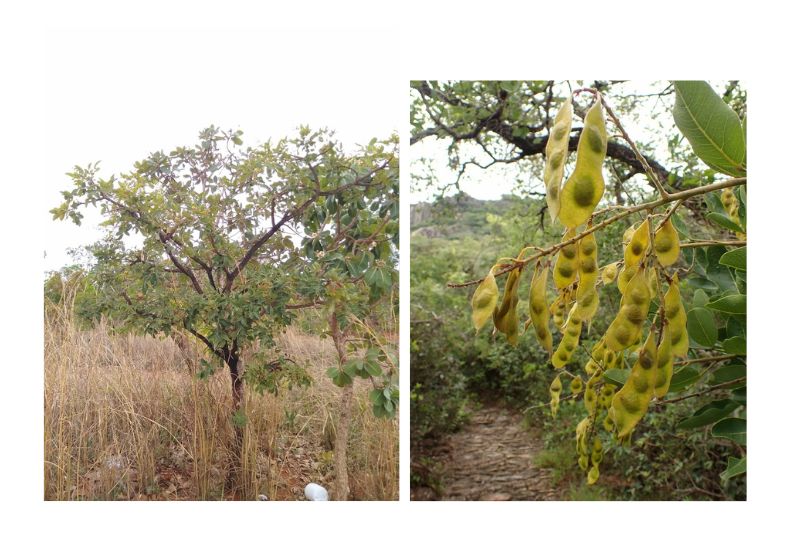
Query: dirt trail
[[491, 458]]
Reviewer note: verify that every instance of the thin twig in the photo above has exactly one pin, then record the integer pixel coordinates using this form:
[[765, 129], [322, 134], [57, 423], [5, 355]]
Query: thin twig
[[681, 195], [703, 392], [647, 169], [735, 243], [709, 359]]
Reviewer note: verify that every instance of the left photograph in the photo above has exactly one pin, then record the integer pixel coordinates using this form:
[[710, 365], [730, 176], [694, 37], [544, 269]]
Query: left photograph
[[226, 327]]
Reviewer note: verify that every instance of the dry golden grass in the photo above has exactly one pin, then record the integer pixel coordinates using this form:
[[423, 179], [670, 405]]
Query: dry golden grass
[[124, 418]]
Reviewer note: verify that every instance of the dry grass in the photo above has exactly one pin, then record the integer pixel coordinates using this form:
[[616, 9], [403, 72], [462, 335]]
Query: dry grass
[[125, 419]]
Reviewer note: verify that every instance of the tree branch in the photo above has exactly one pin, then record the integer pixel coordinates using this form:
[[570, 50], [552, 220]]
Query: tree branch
[[681, 195]]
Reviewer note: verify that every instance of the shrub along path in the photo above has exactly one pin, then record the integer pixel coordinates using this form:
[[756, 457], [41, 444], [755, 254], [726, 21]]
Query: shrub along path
[[491, 459]]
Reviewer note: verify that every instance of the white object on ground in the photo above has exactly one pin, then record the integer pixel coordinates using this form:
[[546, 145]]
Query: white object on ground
[[315, 492]]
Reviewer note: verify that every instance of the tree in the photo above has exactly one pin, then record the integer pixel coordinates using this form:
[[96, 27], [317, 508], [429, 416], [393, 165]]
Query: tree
[[224, 243], [659, 342]]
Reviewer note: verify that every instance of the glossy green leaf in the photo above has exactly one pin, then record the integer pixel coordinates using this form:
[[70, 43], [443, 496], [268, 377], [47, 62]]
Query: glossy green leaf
[[735, 258], [680, 225], [733, 304], [683, 378], [372, 368], [736, 467], [701, 326], [735, 345], [700, 299], [379, 278], [732, 428], [727, 373], [714, 203], [725, 222], [708, 414], [711, 127]]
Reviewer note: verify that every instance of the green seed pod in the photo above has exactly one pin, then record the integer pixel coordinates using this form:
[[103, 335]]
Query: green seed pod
[[539, 311], [608, 422], [505, 316], [630, 403], [626, 327], [606, 395], [583, 462], [484, 301], [609, 273], [576, 385], [636, 249], [664, 363], [565, 269], [673, 309], [556, 156], [590, 401], [557, 309], [587, 299], [584, 188], [624, 277], [593, 474], [580, 436], [567, 346], [555, 395], [667, 244]]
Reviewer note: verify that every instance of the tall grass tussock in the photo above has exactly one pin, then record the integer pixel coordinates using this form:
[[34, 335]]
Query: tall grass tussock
[[127, 418]]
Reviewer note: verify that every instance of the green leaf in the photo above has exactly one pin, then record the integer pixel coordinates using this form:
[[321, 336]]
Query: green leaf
[[725, 222], [733, 304], [351, 368], [711, 127], [375, 396], [714, 203], [708, 414], [616, 377], [727, 373], [379, 278], [701, 326], [680, 225], [735, 258], [732, 428], [683, 379], [373, 368], [736, 326], [700, 299], [736, 467], [735, 345], [378, 411], [702, 283]]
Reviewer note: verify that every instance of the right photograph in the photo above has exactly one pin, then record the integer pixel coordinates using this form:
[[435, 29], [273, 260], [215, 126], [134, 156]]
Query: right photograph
[[578, 300]]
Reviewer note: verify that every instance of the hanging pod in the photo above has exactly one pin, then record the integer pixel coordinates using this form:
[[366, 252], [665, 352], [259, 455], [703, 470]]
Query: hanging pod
[[630, 403], [538, 308], [584, 188], [484, 301], [556, 156]]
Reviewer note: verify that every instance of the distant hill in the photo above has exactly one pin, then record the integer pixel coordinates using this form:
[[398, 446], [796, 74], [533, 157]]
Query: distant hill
[[459, 216]]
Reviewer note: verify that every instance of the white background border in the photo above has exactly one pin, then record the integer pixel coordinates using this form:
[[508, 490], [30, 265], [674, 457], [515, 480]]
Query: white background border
[[445, 40]]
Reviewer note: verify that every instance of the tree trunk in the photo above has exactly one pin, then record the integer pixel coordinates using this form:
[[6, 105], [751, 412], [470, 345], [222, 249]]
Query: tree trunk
[[342, 489], [340, 446], [233, 480]]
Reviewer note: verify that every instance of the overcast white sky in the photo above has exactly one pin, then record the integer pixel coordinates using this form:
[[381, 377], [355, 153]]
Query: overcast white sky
[[117, 96]]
